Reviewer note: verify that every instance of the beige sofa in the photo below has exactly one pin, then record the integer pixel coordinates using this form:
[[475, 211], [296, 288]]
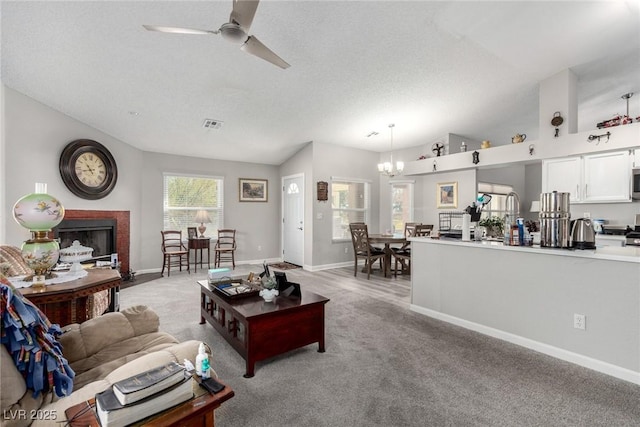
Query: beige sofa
[[100, 351]]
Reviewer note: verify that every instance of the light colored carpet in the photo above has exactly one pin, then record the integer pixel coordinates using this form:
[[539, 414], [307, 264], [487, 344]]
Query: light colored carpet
[[387, 366]]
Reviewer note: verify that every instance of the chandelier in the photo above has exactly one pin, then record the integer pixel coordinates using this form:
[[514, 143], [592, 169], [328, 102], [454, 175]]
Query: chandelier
[[389, 168]]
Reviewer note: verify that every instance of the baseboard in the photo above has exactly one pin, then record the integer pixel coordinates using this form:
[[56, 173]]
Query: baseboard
[[328, 266], [568, 356]]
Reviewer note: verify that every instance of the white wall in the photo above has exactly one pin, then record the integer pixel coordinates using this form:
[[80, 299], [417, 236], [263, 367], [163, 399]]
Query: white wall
[[35, 135]]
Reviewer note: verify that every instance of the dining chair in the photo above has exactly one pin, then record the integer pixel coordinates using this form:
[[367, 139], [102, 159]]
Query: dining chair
[[363, 249], [225, 248], [174, 252], [403, 253], [423, 230]]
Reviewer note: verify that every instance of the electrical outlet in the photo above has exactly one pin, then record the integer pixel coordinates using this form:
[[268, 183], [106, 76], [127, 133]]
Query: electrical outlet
[[579, 321], [259, 248]]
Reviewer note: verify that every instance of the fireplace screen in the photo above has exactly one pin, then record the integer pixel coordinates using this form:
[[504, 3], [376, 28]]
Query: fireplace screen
[[99, 234]]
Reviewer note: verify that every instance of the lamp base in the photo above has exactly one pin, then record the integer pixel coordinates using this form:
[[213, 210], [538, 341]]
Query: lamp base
[[202, 229]]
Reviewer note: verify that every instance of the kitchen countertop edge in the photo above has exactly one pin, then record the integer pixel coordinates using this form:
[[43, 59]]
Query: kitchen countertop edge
[[609, 253]]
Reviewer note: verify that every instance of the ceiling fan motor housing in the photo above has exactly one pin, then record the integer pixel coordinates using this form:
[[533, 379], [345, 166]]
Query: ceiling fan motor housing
[[233, 32]]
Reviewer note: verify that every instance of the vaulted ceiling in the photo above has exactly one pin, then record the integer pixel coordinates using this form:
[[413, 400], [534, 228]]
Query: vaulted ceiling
[[432, 68]]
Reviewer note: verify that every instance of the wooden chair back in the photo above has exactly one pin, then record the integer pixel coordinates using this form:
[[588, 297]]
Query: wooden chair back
[[423, 230], [226, 239], [172, 241], [360, 237]]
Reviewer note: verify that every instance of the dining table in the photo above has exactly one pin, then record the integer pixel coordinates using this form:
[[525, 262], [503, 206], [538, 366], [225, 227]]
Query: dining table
[[387, 240]]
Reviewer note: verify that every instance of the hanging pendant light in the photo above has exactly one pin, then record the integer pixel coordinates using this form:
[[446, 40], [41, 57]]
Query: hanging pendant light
[[389, 168]]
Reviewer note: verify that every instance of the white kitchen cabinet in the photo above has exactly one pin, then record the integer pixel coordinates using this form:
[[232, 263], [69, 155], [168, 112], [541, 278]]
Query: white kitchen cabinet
[[562, 175], [607, 177], [593, 178]]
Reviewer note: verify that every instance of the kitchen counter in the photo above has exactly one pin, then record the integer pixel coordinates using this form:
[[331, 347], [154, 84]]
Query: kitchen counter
[[530, 295], [610, 253]]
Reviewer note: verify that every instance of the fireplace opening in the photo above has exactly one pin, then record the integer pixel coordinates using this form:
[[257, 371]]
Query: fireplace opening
[[98, 234]]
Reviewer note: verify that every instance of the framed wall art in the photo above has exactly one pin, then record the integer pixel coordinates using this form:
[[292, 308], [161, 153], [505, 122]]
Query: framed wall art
[[253, 190], [447, 195], [192, 233]]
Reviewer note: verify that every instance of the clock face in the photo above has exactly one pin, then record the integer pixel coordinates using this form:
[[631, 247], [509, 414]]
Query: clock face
[[88, 169]]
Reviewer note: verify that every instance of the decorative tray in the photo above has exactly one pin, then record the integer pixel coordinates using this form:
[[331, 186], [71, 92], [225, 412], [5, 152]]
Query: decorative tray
[[234, 288]]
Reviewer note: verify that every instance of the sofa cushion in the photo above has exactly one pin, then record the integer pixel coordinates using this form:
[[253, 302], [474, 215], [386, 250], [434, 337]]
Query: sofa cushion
[[94, 335], [98, 365], [13, 385]]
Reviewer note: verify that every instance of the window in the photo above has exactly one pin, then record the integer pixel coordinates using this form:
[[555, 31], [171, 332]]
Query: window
[[401, 205], [184, 195], [498, 192], [349, 203]]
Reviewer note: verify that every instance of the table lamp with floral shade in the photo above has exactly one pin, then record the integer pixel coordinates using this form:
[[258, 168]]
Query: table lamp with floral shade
[[203, 218], [39, 212]]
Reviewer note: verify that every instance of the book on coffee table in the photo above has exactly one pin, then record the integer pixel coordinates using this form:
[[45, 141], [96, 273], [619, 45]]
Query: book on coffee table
[[112, 413], [137, 387]]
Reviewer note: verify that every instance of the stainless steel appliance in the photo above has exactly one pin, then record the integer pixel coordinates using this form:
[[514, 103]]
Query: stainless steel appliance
[[633, 237], [582, 234], [635, 183], [555, 219]]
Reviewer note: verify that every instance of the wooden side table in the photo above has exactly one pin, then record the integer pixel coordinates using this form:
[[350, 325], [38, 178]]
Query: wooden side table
[[200, 243], [67, 302], [198, 411]]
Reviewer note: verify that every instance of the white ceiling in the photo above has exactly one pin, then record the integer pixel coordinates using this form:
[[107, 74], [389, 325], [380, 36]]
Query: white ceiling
[[432, 68]]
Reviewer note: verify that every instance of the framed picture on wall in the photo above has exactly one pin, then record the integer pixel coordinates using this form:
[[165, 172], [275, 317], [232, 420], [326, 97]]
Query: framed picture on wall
[[253, 190], [192, 233], [447, 195]]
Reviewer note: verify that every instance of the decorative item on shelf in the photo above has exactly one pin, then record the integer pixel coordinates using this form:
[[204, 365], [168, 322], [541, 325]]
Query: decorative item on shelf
[[593, 137], [463, 147], [323, 191], [423, 157], [485, 144], [556, 121], [76, 253], [476, 157], [618, 120], [435, 166], [438, 148], [518, 138], [202, 217], [531, 149], [39, 213], [389, 168], [269, 291]]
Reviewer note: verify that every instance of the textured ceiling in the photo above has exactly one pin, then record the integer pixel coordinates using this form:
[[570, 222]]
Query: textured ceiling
[[432, 68]]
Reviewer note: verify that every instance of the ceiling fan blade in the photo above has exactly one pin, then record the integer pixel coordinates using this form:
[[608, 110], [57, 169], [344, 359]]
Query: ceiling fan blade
[[178, 30], [255, 47], [243, 13]]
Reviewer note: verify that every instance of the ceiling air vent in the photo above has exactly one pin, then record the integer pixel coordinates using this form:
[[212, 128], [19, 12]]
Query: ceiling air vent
[[212, 124]]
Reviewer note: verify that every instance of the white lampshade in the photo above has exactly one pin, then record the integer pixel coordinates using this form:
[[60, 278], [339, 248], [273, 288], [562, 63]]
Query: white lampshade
[[535, 206]]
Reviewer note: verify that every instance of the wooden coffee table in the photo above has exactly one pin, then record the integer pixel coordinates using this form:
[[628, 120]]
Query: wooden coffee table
[[257, 329]]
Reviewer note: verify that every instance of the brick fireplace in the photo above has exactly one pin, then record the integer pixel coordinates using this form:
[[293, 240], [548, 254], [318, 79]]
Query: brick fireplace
[[95, 219]]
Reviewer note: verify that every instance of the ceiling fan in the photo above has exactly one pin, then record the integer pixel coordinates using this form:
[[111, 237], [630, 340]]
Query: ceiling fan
[[236, 31]]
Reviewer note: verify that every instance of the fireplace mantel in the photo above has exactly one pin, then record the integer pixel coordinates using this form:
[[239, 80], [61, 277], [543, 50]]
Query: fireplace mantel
[[122, 232]]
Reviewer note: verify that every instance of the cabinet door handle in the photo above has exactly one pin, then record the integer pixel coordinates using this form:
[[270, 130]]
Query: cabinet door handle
[[577, 191], [231, 325], [586, 191]]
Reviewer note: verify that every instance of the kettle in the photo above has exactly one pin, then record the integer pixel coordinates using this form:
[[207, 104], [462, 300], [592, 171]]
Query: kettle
[[518, 138], [582, 234]]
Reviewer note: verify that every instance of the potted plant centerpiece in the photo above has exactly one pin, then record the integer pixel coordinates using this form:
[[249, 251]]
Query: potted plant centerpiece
[[269, 291], [493, 225]]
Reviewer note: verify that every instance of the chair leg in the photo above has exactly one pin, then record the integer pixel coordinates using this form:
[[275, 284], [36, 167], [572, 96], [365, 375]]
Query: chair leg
[[164, 262], [233, 259], [369, 269], [355, 267]]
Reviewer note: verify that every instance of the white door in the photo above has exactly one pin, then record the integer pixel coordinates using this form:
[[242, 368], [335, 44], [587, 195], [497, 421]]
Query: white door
[[293, 219]]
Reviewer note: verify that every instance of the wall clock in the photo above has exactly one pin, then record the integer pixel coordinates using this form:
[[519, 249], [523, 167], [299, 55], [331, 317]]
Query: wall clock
[[88, 169]]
